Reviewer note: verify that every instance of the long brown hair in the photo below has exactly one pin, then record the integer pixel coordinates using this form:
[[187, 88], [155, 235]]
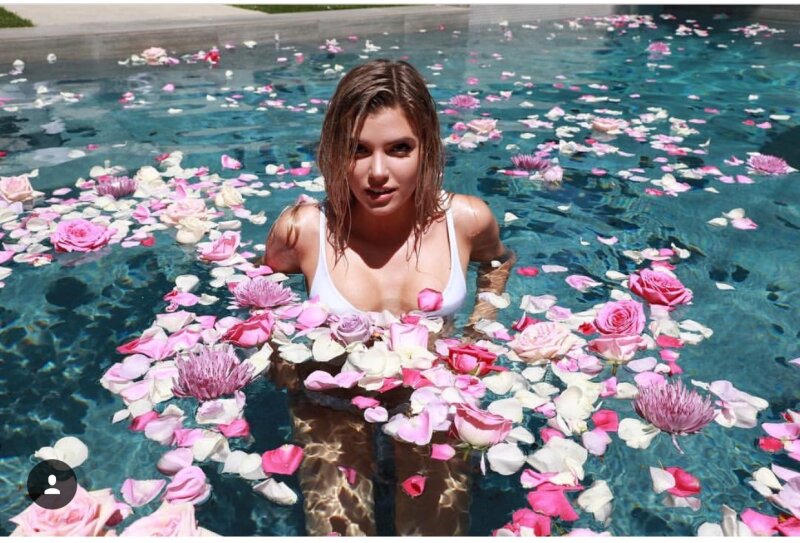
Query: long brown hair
[[364, 90]]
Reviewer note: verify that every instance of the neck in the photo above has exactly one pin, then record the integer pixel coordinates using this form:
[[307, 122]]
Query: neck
[[385, 229]]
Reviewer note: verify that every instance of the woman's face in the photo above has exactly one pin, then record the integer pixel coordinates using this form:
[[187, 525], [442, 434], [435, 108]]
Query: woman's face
[[383, 175]]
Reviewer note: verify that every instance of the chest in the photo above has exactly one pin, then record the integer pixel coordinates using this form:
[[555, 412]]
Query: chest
[[390, 278]]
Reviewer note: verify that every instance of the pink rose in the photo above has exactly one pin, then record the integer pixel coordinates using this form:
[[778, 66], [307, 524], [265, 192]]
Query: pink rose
[[620, 318], [88, 514], [544, 341], [80, 235], [659, 287], [169, 520], [17, 189], [284, 460], [189, 485], [480, 428], [183, 209], [154, 55], [619, 348], [429, 299], [252, 332], [222, 248], [472, 359], [351, 328]]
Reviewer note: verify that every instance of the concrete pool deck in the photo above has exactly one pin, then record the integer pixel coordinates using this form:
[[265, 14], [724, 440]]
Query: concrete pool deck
[[106, 31]]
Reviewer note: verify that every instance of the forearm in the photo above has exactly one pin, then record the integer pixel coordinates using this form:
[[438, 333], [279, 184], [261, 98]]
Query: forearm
[[491, 278]]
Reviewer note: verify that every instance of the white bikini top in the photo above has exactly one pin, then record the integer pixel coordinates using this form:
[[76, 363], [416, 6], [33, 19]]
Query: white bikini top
[[452, 297]]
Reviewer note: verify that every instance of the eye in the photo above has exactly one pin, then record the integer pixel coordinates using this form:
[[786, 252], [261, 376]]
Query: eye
[[402, 148], [361, 151]]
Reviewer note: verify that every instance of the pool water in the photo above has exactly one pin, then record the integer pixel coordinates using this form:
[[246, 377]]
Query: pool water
[[728, 93]]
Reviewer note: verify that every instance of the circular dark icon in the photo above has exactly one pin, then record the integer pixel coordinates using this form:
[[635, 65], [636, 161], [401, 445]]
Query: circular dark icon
[[52, 484]]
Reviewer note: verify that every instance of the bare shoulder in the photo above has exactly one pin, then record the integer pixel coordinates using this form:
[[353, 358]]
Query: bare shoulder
[[292, 236], [475, 221]]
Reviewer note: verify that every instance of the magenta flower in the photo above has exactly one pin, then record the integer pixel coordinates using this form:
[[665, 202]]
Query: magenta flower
[[262, 293], [117, 187], [464, 101], [530, 162], [768, 164], [674, 409], [210, 373]]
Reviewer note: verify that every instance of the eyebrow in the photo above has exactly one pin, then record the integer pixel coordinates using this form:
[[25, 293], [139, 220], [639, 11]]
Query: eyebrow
[[409, 140]]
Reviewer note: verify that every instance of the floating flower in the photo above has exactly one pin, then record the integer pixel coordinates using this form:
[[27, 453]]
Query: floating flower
[[544, 341], [530, 162], [768, 165], [17, 189], [471, 359], [154, 56], [87, 514], [625, 317], [659, 47], [464, 101], [659, 287], [351, 328], [674, 409], [210, 373], [116, 187], [480, 428], [80, 235], [262, 293]]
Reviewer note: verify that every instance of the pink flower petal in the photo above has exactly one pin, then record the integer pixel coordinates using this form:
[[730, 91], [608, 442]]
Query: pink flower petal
[[138, 493], [349, 474], [429, 300], [414, 485], [230, 163], [362, 402], [283, 461], [745, 223], [552, 503], [759, 524], [376, 414], [442, 451]]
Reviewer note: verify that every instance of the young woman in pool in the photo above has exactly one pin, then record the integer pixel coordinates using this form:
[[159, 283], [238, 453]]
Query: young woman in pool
[[385, 232]]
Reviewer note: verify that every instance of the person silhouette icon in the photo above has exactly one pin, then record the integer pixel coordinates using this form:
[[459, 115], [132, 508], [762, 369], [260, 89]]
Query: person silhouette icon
[[51, 481]]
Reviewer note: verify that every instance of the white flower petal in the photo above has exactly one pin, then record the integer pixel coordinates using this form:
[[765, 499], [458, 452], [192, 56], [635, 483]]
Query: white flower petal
[[597, 500], [662, 480], [509, 408], [326, 348], [505, 458], [276, 492], [637, 434]]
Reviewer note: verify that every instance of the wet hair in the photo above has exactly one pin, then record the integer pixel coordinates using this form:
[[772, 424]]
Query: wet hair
[[365, 90]]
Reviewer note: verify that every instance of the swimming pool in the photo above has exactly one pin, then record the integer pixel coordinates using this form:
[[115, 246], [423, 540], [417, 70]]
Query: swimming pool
[[652, 122]]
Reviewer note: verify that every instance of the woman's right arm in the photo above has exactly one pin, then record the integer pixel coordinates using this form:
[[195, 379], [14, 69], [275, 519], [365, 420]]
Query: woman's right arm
[[285, 242]]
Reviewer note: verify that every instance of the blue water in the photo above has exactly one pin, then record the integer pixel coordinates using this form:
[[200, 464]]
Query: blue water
[[61, 323]]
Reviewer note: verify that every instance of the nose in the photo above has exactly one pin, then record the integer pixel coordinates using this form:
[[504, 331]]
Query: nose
[[378, 169]]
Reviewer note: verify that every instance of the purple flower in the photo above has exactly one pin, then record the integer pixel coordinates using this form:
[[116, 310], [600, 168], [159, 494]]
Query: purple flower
[[351, 328], [263, 293], [674, 409], [768, 164], [464, 101], [530, 162], [116, 187], [210, 373]]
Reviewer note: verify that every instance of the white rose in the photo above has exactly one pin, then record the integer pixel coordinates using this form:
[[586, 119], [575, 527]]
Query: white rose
[[191, 230], [228, 197]]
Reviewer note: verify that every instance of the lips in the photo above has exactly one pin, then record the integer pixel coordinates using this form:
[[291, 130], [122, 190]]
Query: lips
[[379, 193]]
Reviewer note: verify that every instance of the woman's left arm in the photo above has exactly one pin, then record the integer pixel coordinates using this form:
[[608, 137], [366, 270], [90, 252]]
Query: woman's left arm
[[495, 259]]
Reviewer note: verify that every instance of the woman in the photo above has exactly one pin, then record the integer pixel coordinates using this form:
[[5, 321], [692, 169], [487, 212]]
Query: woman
[[385, 232]]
